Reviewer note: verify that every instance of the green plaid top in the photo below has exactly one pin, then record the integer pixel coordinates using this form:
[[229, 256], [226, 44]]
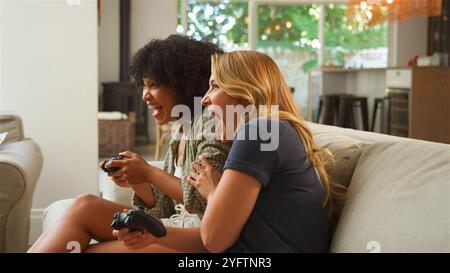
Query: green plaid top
[[214, 150]]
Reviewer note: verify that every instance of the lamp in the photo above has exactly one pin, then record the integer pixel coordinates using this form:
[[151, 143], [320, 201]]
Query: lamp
[[377, 11]]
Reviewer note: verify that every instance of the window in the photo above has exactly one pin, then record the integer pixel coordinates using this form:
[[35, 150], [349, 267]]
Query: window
[[224, 23], [352, 43], [290, 34]]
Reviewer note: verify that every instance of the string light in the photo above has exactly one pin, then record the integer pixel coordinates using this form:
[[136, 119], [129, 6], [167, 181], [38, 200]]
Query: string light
[[378, 11]]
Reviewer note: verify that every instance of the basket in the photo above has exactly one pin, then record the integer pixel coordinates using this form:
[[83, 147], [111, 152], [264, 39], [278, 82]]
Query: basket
[[115, 136]]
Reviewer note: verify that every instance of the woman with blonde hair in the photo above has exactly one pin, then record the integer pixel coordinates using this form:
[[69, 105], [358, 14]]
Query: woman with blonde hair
[[269, 199]]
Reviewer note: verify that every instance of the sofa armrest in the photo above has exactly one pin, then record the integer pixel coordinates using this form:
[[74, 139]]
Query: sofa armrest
[[20, 167], [11, 123], [121, 195]]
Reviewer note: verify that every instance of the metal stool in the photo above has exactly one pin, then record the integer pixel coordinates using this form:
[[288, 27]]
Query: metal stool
[[346, 117], [378, 103], [331, 105]]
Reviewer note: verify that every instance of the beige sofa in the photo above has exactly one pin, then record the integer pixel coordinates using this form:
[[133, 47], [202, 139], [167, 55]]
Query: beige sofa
[[398, 198], [398, 191], [20, 166]]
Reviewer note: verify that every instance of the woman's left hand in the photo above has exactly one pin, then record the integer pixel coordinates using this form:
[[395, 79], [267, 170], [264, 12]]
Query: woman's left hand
[[205, 179]]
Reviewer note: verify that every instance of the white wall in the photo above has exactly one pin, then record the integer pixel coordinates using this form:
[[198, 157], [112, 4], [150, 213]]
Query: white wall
[[49, 77], [406, 40], [151, 19]]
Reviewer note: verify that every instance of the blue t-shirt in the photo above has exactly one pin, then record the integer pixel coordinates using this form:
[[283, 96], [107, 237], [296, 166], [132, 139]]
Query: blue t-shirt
[[288, 215]]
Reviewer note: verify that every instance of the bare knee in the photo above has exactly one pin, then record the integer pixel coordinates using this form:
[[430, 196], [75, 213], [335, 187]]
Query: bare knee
[[80, 210], [84, 202]]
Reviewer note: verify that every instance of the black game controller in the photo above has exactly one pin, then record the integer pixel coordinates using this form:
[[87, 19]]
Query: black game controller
[[112, 169], [137, 220]]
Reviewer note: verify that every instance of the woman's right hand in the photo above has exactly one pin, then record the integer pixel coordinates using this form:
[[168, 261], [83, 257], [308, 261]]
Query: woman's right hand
[[118, 180], [133, 170], [134, 240]]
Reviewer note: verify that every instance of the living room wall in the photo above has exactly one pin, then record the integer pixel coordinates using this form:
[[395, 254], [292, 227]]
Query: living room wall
[[49, 77], [406, 40]]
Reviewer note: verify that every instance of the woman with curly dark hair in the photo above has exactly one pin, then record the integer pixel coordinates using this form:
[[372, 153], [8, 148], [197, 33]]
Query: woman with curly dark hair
[[170, 72]]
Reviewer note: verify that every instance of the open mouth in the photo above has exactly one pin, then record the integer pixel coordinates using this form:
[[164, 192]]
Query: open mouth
[[157, 109]]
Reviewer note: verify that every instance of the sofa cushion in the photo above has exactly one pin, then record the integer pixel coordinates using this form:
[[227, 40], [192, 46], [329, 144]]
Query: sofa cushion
[[362, 136], [346, 152], [398, 200], [53, 212]]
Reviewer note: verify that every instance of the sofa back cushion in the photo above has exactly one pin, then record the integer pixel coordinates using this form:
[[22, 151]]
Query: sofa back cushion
[[346, 152], [398, 200]]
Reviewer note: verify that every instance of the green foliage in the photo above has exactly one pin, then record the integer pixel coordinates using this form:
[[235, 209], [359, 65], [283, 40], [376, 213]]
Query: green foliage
[[221, 22], [343, 37], [287, 26], [283, 27]]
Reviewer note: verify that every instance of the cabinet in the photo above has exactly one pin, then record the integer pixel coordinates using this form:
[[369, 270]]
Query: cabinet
[[430, 104]]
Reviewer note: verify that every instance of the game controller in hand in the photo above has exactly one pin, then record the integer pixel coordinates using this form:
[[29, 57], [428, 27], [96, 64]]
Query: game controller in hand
[[137, 220], [112, 169]]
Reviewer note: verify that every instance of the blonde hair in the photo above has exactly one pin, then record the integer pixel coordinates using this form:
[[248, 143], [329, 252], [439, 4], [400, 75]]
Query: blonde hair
[[255, 78]]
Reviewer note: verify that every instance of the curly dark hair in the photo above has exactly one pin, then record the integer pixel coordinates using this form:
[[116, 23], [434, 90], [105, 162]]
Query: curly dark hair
[[179, 62]]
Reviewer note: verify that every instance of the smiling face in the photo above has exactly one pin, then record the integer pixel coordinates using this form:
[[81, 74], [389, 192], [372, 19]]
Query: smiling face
[[159, 98], [217, 99]]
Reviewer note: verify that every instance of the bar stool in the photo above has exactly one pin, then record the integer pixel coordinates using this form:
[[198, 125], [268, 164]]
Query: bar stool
[[331, 105], [346, 117], [378, 103]]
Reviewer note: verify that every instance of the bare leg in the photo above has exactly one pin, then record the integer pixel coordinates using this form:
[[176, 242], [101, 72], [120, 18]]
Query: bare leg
[[118, 247], [89, 217]]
